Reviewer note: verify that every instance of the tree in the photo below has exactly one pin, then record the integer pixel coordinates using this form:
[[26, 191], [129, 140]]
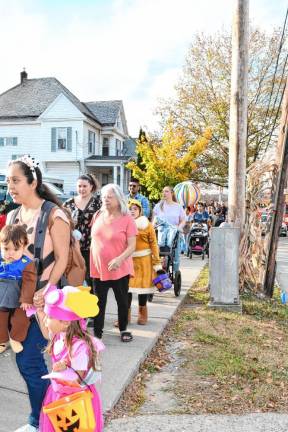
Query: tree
[[203, 96], [142, 138], [168, 159]]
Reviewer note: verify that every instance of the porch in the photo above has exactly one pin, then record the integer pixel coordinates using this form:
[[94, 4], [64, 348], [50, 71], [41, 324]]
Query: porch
[[110, 171]]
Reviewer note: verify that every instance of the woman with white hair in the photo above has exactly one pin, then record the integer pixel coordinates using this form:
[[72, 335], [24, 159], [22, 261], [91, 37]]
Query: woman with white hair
[[113, 240]]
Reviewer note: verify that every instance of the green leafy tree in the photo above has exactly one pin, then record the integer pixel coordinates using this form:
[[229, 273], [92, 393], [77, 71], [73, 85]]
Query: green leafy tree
[[142, 138]]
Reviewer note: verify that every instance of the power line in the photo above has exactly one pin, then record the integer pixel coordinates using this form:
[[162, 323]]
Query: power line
[[275, 101], [278, 110], [275, 70]]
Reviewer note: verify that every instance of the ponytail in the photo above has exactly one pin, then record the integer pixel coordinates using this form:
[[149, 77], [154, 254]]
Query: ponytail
[[91, 179], [44, 192]]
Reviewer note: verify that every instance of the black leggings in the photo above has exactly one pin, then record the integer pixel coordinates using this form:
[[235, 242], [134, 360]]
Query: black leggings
[[120, 289], [86, 255], [142, 299]]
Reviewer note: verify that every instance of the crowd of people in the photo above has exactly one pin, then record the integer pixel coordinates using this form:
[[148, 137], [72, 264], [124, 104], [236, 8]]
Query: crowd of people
[[210, 215], [43, 308], [107, 240]]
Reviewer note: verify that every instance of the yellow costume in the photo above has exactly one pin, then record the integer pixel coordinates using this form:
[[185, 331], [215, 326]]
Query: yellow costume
[[146, 258]]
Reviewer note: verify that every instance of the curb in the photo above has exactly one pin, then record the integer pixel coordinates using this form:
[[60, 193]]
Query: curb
[[149, 349]]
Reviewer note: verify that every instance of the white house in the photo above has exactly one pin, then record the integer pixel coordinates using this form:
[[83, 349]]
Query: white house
[[43, 118]]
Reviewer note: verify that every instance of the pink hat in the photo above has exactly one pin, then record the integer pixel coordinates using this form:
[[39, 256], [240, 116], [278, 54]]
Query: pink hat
[[70, 303]]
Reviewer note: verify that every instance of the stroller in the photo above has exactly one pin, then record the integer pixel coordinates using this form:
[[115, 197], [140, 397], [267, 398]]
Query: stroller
[[167, 255], [198, 240]]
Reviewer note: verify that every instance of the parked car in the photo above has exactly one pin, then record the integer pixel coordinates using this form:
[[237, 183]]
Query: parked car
[[4, 195], [283, 230], [285, 215], [7, 204], [58, 192], [264, 219]]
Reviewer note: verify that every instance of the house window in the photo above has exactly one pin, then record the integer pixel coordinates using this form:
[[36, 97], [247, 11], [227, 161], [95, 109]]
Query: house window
[[105, 151], [91, 142], [61, 139], [105, 179], [16, 156], [118, 147], [118, 176], [8, 141]]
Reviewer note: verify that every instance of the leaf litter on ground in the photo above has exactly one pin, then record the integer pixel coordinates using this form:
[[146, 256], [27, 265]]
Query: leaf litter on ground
[[229, 363]]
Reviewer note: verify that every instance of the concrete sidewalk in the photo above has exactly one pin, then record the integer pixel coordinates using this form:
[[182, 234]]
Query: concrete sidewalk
[[268, 422], [120, 360]]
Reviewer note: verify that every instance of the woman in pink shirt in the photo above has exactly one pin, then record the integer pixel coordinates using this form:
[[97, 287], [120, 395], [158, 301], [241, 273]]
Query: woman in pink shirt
[[113, 240]]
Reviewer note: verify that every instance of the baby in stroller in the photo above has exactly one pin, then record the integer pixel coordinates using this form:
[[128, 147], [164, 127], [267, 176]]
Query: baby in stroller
[[198, 240], [168, 237], [169, 245]]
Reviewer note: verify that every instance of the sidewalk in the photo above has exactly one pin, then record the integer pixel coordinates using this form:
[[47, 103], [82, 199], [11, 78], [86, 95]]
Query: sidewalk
[[202, 423], [120, 361]]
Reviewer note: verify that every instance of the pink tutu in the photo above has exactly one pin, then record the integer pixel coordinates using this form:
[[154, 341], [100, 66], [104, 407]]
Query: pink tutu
[[66, 382]]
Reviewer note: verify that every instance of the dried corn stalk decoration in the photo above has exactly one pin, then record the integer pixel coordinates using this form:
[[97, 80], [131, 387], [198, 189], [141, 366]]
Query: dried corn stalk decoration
[[254, 247]]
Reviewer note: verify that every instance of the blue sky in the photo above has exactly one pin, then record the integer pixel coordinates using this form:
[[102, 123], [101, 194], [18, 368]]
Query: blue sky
[[132, 50]]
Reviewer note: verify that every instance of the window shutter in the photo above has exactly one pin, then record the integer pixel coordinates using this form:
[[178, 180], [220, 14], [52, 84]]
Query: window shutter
[[1, 142], [53, 139], [14, 141], [69, 139]]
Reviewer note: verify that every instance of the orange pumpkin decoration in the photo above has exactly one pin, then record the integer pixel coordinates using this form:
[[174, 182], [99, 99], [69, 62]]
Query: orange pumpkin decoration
[[73, 413]]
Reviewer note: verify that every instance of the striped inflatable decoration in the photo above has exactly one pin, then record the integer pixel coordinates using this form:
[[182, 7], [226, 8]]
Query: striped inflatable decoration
[[187, 194]]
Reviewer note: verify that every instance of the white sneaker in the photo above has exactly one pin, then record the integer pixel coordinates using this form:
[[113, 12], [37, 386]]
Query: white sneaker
[[27, 428], [16, 346]]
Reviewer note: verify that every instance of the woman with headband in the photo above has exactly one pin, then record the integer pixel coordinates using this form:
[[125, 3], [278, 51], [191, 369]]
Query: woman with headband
[[82, 208], [25, 186]]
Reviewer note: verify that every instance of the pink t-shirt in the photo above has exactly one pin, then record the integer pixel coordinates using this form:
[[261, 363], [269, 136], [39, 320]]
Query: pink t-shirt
[[108, 241]]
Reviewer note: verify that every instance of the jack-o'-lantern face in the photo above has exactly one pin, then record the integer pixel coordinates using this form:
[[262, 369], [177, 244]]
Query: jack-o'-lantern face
[[69, 424]]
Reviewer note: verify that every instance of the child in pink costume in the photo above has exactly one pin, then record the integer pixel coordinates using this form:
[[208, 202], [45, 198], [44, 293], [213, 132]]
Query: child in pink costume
[[74, 352]]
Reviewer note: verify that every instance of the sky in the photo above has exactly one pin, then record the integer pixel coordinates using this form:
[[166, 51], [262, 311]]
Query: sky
[[132, 50]]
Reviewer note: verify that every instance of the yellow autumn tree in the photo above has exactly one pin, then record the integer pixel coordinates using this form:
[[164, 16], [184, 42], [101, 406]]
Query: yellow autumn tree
[[167, 160]]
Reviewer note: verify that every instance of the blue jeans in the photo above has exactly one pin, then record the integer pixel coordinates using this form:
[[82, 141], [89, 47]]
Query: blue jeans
[[166, 234], [32, 366]]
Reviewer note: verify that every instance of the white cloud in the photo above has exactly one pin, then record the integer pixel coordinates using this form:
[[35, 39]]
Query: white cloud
[[131, 50]]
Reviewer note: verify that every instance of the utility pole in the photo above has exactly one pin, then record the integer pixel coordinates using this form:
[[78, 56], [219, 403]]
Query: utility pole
[[224, 246], [238, 115], [282, 159]]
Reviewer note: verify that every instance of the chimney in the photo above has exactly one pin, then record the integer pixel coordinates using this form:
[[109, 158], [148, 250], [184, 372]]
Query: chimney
[[23, 76]]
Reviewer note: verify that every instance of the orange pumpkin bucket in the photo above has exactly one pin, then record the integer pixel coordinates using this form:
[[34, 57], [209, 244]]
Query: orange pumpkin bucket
[[72, 413]]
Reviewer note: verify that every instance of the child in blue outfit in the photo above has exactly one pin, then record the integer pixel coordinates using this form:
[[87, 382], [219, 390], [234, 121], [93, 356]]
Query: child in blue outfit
[[18, 280]]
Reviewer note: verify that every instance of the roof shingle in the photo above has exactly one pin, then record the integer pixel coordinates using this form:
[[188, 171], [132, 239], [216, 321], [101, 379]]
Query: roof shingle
[[106, 111], [33, 96]]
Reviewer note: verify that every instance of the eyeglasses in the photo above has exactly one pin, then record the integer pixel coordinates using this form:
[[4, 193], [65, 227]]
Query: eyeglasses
[[133, 185]]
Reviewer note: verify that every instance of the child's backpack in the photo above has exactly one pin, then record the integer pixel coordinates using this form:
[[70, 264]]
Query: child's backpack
[[76, 269]]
